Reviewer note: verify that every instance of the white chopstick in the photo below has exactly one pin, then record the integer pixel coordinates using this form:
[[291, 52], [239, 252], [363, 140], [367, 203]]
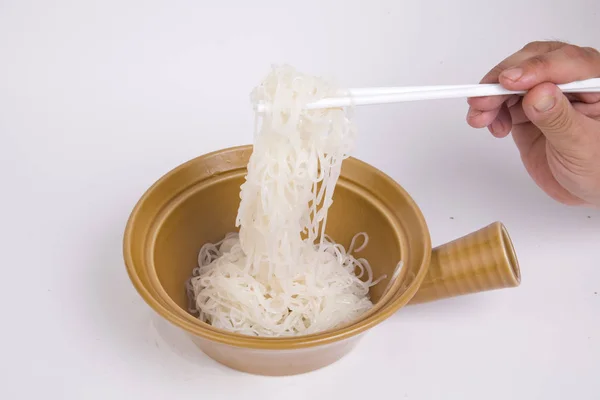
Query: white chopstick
[[386, 95]]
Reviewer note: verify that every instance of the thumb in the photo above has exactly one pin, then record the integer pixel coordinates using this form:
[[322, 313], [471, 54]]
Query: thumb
[[550, 110]]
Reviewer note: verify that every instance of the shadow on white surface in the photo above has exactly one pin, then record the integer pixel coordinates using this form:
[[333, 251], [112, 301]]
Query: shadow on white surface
[[172, 341], [127, 329]]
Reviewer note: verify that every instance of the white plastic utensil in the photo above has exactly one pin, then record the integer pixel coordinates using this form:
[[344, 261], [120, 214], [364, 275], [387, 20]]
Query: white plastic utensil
[[386, 95]]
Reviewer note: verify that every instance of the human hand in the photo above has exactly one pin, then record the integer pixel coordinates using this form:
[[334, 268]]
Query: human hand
[[558, 135]]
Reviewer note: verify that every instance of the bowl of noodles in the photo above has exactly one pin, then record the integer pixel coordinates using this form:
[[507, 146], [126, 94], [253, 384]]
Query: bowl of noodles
[[276, 257]]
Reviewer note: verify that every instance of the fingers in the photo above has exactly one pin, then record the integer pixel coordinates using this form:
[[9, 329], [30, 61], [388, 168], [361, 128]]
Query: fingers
[[483, 110], [488, 118], [518, 115], [589, 110], [536, 63], [511, 114], [503, 122], [584, 97], [530, 50], [485, 115], [565, 128], [489, 103], [481, 119], [564, 65]]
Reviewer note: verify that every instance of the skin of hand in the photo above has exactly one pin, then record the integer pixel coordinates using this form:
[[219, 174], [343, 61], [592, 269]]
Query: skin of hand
[[557, 135]]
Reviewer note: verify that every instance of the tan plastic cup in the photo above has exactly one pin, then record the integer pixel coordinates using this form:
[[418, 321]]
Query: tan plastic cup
[[197, 202]]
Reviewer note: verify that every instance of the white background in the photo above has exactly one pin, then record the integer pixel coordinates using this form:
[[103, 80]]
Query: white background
[[99, 99]]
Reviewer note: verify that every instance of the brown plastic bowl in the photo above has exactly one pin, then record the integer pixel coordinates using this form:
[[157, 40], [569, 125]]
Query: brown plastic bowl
[[197, 203]]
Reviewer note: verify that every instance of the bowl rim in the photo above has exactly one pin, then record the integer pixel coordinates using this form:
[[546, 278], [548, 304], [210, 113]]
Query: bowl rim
[[203, 330]]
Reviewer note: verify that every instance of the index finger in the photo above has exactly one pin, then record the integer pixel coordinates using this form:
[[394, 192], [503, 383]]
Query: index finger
[[528, 51], [489, 103], [564, 65]]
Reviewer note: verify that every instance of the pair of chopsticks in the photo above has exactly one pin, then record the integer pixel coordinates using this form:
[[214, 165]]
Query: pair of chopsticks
[[387, 95]]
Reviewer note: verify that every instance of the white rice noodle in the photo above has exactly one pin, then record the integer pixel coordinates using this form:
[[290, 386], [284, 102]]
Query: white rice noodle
[[281, 275]]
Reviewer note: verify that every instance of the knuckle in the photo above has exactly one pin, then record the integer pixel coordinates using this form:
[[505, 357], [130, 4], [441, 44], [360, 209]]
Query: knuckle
[[592, 52], [575, 52], [539, 62], [587, 57], [543, 46], [592, 56], [535, 46]]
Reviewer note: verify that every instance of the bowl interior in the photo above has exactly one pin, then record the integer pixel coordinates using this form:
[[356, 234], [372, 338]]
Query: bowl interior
[[197, 203], [208, 212]]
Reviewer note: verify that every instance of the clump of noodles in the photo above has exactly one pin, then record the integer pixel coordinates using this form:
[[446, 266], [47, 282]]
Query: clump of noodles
[[281, 275]]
